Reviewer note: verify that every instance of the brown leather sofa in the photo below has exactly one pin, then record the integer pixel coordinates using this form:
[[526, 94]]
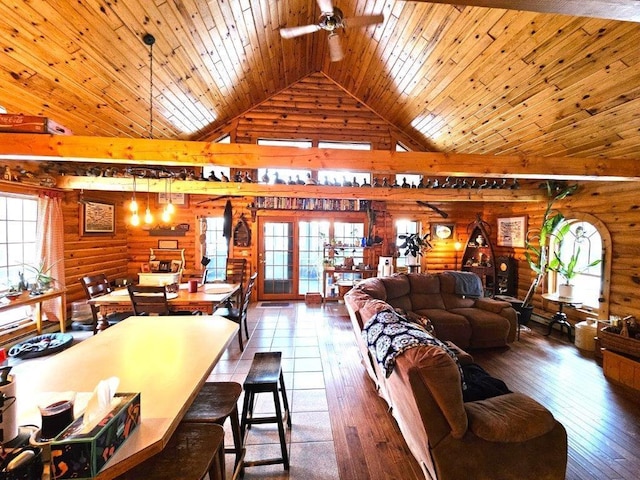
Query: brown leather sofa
[[467, 322], [505, 437]]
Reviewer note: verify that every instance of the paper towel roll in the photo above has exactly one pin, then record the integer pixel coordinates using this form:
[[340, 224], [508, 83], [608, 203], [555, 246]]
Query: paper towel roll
[[9, 422]]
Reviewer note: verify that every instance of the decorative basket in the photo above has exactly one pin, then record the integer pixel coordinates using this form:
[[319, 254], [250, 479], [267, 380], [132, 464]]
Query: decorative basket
[[618, 343]]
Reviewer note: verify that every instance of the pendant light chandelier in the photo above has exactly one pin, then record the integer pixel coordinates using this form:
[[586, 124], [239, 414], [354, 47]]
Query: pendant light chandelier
[[149, 172]]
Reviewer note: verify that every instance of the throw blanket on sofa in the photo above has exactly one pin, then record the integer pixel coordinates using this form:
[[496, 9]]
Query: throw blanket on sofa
[[468, 284], [389, 334]]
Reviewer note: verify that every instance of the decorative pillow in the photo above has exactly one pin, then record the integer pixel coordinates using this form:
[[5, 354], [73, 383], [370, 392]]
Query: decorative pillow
[[420, 320]]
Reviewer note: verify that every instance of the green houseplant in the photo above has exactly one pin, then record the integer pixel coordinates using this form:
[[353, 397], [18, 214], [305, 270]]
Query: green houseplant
[[537, 241], [41, 276], [414, 244]]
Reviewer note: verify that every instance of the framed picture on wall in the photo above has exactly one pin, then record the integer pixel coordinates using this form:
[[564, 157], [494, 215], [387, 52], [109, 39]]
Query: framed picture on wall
[[98, 218], [512, 231], [178, 199]]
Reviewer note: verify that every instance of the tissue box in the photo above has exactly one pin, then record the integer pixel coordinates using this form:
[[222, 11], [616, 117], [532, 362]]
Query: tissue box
[[82, 455]]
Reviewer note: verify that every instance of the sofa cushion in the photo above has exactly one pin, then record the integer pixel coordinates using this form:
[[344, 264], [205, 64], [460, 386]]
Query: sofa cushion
[[396, 286], [491, 304], [513, 417], [373, 287], [449, 326], [425, 292], [488, 329]]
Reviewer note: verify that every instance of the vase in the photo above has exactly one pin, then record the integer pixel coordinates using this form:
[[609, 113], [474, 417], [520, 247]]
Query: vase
[[565, 291]]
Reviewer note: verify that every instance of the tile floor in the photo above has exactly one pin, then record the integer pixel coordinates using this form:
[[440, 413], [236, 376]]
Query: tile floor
[[295, 331]]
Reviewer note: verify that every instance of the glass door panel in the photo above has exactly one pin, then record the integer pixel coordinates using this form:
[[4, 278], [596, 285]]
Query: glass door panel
[[312, 236], [278, 259]]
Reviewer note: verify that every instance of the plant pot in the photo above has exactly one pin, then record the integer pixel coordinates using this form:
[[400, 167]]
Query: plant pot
[[565, 291], [413, 261]]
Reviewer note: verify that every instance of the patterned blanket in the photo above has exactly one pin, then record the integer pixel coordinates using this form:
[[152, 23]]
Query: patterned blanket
[[389, 334]]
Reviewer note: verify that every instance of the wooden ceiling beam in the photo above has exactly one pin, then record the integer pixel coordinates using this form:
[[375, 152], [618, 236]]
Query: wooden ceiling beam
[[608, 9], [125, 151]]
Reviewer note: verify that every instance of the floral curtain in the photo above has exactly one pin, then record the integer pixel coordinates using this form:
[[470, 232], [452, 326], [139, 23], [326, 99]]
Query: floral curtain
[[51, 246]]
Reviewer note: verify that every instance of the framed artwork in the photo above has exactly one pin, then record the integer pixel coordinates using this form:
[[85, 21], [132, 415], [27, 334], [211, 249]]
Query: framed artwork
[[98, 218], [168, 244], [144, 268], [178, 199], [512, 231], [442, 231]]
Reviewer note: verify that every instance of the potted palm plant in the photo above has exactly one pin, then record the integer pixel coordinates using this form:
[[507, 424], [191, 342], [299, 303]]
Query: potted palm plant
[[41, 276]]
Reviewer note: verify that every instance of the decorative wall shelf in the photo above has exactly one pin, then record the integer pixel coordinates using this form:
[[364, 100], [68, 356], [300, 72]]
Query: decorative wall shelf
[[398, 195]]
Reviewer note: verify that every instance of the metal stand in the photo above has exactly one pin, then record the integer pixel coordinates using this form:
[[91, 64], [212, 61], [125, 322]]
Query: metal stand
[[561, 319]]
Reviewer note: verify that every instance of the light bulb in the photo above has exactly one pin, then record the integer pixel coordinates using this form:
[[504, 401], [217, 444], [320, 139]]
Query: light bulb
[[135, 219], [170, 208], [133, 206], [166, 216], [148, 218]]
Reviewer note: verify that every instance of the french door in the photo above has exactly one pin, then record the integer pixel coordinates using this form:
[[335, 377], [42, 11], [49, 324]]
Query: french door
[[290, 256]]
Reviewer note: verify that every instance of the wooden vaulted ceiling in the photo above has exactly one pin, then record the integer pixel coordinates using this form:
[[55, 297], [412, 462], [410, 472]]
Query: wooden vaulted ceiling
[[463, 79]]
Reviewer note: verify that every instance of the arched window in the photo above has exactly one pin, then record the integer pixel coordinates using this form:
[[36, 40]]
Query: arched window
[[588, 240]]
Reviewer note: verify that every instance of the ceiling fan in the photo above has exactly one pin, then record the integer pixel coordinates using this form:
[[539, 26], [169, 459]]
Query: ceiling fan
[[331, 19]]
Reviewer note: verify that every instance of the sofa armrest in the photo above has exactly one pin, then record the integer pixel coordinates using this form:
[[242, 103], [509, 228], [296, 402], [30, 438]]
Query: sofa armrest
[[491, 304], [513, 417]]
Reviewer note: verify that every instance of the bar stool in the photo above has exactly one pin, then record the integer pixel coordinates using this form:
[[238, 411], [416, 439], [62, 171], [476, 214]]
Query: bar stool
[[263, 376], [216, 402], [194, 450]]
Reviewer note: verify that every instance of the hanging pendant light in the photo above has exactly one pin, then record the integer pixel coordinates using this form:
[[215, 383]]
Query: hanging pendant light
[[148, 217], [170, 208], [133, 206]]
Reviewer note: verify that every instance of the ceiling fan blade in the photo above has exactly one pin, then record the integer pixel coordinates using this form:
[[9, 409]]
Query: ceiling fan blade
[[326, 6], [363, 20], [297, 31], [335, 48]]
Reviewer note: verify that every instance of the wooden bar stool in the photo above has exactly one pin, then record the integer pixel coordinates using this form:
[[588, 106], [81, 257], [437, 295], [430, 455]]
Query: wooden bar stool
[[264, 375], [194, 450], [216, 402]]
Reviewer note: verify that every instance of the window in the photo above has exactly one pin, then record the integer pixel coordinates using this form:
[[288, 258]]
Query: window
[[402, 228], [343, 178], [408, 179], [345, 145], [215, 247], [583, 240], [18, 236]]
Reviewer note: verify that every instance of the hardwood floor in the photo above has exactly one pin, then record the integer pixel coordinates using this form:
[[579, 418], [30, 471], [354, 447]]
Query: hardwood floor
[[602, 419]]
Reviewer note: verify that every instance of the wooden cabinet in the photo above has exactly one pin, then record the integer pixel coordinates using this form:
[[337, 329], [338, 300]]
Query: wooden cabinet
[[478, 255]]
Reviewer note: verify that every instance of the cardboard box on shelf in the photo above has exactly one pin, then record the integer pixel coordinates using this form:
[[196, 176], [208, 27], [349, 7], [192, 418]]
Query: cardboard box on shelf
[[31, 124]]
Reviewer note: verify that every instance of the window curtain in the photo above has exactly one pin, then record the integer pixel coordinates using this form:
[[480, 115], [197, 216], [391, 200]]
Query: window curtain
[[50, 246]]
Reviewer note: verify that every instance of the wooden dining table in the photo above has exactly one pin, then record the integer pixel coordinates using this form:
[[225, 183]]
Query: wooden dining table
[[165, 358], [205, 299]]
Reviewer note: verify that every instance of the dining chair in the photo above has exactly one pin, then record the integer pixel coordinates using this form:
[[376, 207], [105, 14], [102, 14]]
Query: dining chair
[[96, 286], [152, 300], [239, 315]]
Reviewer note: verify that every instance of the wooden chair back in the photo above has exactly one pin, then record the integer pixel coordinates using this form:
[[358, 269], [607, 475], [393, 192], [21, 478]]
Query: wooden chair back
[[246, 299], [235, 270], [148, 299], [95, 286]]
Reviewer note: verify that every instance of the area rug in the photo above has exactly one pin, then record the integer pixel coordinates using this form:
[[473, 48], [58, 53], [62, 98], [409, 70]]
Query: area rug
[[274, 304]]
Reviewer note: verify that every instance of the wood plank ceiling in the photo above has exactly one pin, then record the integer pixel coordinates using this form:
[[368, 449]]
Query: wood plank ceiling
[[471, 80]]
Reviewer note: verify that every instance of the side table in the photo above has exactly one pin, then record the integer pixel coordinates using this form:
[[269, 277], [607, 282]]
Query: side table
[[560, 317]]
